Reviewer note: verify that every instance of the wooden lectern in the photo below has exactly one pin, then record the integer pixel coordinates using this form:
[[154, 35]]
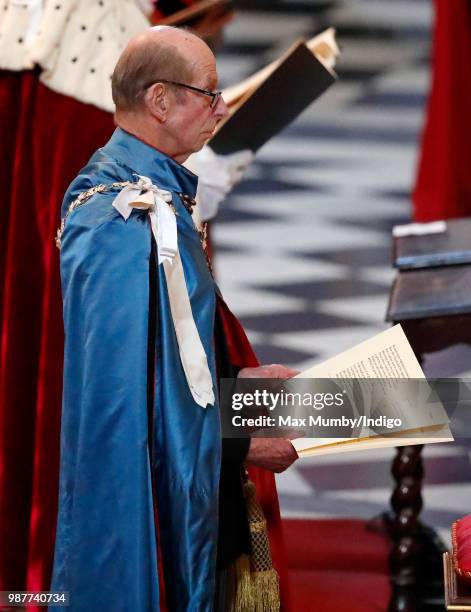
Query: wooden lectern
[[431, 299]]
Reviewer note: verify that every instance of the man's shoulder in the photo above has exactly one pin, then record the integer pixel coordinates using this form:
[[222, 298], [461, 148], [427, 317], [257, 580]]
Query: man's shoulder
[[95, 228], [87, 204], [101, 174]]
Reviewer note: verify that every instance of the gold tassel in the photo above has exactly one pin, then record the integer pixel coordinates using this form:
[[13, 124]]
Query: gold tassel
[[255, 585]]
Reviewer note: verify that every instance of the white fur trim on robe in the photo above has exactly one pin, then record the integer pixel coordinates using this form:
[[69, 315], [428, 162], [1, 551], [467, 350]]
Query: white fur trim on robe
[[76, 42]]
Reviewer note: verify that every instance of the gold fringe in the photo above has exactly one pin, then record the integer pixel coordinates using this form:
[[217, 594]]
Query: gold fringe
[[266, 591], [243, 598], [255, 591]]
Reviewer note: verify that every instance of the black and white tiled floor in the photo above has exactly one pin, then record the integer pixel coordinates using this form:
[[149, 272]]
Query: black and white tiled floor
[[303, 244]]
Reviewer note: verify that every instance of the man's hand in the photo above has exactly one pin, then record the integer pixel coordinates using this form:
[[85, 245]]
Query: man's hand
[[275, 370], [274, 454]]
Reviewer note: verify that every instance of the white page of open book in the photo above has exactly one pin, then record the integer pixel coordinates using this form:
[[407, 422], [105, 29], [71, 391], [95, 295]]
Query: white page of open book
[[366, 360], [440, 433]]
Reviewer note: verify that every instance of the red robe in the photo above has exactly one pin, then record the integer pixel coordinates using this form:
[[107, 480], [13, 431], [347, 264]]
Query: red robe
[[46, 138], [443, 186]]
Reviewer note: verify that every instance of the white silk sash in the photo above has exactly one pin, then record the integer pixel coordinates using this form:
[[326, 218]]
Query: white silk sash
[[144, 195]]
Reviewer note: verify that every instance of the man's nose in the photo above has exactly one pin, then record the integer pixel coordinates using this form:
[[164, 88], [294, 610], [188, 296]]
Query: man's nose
[[221, 109]]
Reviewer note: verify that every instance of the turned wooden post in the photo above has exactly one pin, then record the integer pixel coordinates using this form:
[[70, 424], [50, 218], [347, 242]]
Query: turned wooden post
[[406, 502]]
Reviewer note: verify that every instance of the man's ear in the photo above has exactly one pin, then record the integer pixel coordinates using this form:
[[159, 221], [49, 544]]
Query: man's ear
[[157, 101]]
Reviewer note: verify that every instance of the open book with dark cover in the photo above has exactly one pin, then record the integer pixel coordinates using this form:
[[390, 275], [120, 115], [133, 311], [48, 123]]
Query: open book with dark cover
[[451, 246], [264, 104]]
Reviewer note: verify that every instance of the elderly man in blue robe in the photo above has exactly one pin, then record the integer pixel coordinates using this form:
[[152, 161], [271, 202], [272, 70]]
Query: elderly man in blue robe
[[141, 456]]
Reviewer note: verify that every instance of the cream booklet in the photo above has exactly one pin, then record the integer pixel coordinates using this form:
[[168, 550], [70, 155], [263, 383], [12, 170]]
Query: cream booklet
[[387, 356]]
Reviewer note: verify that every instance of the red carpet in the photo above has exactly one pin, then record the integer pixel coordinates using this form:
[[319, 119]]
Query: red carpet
[[336, 566]]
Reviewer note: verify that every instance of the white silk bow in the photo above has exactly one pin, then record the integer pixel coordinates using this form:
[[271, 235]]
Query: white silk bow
[[144, 195]]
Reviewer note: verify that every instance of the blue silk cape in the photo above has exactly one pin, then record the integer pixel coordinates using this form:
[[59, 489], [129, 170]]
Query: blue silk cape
[[106, 544]]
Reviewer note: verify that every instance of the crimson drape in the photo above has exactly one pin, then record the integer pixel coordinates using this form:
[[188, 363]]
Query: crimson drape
[[443, 186], [46, 138]]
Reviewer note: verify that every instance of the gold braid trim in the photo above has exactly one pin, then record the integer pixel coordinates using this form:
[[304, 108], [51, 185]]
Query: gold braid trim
[[81, 199]]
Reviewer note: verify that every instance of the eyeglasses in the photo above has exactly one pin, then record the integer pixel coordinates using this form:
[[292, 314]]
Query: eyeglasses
[[214, 95]]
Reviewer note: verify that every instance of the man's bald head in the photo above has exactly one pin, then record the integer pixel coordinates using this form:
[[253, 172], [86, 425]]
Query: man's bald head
[[159, 53], [175, 120]]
